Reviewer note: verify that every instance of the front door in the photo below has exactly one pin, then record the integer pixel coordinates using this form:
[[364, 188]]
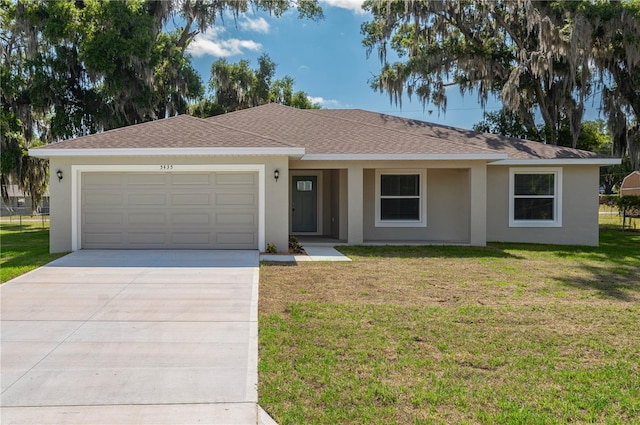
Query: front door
[[304, 204]]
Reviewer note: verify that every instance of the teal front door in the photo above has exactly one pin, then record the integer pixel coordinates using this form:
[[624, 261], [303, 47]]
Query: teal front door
[[304, 204]]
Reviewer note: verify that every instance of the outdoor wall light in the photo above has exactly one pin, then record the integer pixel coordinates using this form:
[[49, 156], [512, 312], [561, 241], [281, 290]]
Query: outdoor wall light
[[59, 174], [276, 174]]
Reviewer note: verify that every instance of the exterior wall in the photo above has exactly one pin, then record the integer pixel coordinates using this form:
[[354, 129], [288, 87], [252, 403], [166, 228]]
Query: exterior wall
[[276, 200], [579, 209], [355, 204], [456, 200], [60, 206], [335, 190], [448, 210], [344, 207], [276, 192], [326, 204], [478, 208]]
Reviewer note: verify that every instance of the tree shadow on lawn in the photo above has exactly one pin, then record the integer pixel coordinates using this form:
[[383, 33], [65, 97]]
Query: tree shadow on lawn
[[613, 268], [610, 282], [26, 241], [615, 247]]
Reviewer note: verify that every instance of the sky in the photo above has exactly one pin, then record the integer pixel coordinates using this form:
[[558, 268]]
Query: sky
[[326, 59]]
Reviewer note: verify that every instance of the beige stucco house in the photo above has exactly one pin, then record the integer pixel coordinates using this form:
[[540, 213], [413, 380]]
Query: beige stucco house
[[251, 178]]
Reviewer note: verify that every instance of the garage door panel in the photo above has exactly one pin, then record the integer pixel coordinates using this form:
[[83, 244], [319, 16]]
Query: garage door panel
[[190, 218], [249, 179], [233, 199], [234, 238], [102, 199], [147, 238], [94, 239], [191, 199], [188, 179], [106, 217], [102, 179], [147, 218], [227, 219], [170, 210], [144, 179], [190, 238], [149, 199]]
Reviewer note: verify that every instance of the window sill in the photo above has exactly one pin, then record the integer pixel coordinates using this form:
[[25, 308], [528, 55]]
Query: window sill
[[532, 223], [400, 224]]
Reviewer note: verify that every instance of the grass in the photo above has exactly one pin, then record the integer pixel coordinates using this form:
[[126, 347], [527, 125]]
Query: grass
[[510, 333], [25, 249]]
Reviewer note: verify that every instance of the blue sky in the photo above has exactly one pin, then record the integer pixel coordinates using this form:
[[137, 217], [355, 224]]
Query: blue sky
[[326, 59]]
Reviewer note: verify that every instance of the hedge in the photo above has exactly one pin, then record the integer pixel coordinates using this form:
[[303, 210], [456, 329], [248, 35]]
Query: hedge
[[629, 202]]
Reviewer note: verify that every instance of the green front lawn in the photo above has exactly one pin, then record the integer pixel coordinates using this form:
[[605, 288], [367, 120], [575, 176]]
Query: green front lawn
[[23, 250], [510, 333]]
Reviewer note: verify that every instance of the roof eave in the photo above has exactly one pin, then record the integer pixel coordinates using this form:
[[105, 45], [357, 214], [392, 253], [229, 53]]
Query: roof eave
[[251, 151], [560, 161], [403, 157]]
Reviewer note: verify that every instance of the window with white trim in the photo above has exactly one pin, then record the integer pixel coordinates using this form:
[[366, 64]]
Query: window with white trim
[[535, 198], [401, 198]]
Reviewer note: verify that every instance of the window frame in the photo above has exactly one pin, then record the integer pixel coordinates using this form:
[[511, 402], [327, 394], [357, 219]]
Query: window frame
[[422, 190], [557, 197]]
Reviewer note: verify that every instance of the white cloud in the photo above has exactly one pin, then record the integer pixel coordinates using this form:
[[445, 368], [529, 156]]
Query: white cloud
[[259, 25], [325, 103], [353, 5], [209, 43]]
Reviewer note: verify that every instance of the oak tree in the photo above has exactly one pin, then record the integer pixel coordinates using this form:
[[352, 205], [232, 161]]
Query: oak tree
[[70, 68], [542, 58]]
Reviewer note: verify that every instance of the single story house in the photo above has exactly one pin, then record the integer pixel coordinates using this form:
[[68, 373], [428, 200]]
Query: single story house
[[253, 177]]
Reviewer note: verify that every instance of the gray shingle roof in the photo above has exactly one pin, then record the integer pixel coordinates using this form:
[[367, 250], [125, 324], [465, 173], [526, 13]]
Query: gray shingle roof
[[322, 133], [514, 148], [182, 131], [319, 132]]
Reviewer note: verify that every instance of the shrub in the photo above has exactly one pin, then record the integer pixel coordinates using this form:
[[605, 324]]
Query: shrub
[[629, 205], [271, 249], [295, 246]]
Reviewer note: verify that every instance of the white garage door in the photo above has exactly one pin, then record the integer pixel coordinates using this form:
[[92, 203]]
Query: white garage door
[[197, 210]]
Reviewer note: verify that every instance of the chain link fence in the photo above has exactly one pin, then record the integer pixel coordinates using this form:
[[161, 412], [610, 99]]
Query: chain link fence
[[20, 215]]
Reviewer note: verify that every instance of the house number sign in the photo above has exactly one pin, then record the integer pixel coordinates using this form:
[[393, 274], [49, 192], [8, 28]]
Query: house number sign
[[165, 167]]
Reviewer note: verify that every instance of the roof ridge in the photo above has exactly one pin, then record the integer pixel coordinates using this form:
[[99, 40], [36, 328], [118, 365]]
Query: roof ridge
[[228, 127], [395, 129], [450, 127]]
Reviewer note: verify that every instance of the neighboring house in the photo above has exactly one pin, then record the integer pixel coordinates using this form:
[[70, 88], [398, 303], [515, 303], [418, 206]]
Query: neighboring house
[[20, 203], [253, 177], [631, 184]]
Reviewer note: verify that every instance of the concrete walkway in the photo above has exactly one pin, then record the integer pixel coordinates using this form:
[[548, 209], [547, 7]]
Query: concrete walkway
[[132, 337], [312, 253]]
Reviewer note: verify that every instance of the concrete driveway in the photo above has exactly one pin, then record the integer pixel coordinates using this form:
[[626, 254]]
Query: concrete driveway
[[132, 337]]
